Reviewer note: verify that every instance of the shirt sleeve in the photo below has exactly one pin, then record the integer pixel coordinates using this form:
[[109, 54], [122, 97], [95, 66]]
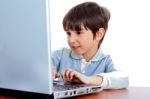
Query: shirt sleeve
[[56, 58], [114, 80]]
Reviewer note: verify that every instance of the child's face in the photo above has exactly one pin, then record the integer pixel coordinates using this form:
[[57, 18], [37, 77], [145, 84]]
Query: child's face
[[82, 42]]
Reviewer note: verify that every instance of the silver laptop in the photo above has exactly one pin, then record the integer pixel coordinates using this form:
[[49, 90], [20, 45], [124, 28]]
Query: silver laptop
[[25, 46], [64, 89], [25, 62]]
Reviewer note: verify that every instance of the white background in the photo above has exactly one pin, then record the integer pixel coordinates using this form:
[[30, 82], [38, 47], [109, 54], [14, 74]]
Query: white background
[[127, 39]]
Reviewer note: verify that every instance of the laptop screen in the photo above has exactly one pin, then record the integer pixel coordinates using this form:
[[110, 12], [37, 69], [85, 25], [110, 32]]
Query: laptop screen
[[25, 45]]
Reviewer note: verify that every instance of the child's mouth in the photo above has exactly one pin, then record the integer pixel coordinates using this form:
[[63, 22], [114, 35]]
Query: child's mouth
[[75, 47]]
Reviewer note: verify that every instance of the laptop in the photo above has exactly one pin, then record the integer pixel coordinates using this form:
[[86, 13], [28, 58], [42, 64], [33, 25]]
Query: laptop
[[25, 55], [64, 89]]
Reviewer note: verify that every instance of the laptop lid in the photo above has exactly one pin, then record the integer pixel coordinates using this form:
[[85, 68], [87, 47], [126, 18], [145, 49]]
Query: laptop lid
[[25, 46]]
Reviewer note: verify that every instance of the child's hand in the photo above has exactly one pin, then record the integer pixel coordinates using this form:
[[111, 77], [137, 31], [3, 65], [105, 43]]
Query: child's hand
[[55, 74], [74, 76]]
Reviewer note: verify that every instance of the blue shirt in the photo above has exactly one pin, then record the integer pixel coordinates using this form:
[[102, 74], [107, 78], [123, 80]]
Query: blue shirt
[[100, 64]]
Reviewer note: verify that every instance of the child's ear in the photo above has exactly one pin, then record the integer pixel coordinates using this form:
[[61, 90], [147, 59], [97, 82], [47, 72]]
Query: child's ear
[[100, 33]]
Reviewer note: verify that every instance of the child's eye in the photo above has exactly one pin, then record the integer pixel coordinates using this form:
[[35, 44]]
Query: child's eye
[[68, 33], [78, 32]]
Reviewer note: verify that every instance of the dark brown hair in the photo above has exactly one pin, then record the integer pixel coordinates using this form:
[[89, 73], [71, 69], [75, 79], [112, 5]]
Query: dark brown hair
[[90, 15]]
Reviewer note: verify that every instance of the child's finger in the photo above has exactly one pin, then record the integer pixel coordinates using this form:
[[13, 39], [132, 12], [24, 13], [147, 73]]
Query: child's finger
[[67, 74], [58, 75], [64, 74], [71, 75], [53, 73]]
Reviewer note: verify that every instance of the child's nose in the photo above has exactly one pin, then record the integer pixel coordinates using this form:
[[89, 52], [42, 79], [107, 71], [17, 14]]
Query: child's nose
[[72, 39]]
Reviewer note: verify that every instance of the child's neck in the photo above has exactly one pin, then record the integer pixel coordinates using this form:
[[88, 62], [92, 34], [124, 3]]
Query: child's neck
[[90, 54]]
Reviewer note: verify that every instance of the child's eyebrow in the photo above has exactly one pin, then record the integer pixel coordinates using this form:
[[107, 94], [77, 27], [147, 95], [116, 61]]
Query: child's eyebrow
[[66, 31]]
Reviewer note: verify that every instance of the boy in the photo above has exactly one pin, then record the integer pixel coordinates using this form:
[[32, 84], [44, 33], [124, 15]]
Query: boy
[[85, 26]]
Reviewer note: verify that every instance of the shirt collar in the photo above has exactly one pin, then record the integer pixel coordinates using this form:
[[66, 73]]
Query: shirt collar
[[98, 56], [76, 56]]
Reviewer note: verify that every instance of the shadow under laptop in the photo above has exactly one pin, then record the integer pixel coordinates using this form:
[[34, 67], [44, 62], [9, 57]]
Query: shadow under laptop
[[17, 94]]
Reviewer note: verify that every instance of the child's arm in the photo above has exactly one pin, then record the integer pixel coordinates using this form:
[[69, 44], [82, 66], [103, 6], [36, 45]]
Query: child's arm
[[74, 76], [115, 80], [111, 80]]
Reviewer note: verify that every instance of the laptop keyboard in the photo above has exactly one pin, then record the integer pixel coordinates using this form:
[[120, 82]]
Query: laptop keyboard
[[66, 89], [66, 86]]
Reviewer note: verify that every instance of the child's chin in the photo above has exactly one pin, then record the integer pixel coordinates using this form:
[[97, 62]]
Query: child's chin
[[78, 52]]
